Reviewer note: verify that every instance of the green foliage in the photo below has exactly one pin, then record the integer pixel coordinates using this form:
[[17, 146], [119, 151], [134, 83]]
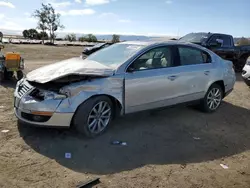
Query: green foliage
[[33, 34], [115, 38], [243, 41], [91, 38], [42, 36], [88, 38], [30, 34], [70, 37], [82, 39], [26, 33], [48, 20]]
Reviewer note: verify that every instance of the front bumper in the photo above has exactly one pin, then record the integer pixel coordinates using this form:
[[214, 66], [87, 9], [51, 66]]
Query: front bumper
[[246, 80], [56, 120], [246, 74], [25, 106]]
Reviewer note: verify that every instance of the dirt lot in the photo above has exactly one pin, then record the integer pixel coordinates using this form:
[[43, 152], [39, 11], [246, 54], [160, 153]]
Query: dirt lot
[[162, 151]]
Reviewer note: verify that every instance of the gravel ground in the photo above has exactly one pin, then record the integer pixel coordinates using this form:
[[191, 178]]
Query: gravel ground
[[175, 147]]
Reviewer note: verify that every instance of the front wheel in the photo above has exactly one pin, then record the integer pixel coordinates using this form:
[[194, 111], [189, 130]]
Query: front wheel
[[212, 99], [93, 117]]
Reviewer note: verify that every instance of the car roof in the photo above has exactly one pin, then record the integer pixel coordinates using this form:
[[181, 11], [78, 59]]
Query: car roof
[[166, 42]]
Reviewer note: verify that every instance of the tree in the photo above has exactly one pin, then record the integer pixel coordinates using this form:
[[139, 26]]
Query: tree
[[91, 38], [115, 38], [33, 33], [42, 36], [41, 15], [243, 41], [26, 33], [70, 37], [82, 39], [53, 22], [48, 20], [30, 34]]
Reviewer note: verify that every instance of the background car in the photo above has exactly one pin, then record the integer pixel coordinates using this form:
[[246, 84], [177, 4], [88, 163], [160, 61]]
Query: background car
[[124, 78], [90, 50], [246, 72], [222, 45]]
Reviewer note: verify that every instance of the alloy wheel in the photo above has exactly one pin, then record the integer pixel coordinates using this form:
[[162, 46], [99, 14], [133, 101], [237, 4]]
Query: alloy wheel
[[214, 98], [99, 117]]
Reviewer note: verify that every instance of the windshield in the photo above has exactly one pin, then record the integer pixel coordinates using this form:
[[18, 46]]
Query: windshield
[[116, 54], [194, 37]]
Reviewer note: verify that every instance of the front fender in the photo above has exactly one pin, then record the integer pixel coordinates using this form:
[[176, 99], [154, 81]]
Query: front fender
[[82, 91]]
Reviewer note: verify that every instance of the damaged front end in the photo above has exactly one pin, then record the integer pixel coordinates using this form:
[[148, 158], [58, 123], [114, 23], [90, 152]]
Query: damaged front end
[[54, 103], [50, 95], [55, 89]]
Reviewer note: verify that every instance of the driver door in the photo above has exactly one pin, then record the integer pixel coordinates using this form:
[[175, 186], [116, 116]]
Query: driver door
[[148, 82]]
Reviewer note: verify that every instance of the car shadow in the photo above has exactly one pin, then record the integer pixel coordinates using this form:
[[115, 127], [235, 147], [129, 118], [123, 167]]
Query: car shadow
[[10, 83], [169, 136]]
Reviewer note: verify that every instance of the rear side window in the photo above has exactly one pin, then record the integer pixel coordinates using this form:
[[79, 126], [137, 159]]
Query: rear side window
[[193, 56]]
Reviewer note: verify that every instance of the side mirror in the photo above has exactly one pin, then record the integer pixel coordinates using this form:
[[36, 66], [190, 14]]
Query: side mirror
[[130, 69]]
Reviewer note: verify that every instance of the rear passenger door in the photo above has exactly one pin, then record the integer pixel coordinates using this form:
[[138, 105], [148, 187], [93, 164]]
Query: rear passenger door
[[194, 72]]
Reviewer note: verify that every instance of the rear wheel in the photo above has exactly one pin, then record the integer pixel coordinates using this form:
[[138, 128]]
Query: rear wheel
[[94, 116], [212, 99]]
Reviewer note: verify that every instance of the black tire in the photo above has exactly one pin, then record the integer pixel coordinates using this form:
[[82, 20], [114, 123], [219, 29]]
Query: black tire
[[81, 117], [19, 75], [205, 105]]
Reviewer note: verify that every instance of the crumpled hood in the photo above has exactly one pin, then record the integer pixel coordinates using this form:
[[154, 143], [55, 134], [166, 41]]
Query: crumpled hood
[[73, 66]]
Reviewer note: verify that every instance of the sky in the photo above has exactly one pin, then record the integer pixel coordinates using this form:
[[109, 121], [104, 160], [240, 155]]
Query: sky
[[135, 17]]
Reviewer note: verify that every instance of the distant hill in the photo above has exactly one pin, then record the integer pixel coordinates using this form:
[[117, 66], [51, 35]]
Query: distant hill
[[17, 34]]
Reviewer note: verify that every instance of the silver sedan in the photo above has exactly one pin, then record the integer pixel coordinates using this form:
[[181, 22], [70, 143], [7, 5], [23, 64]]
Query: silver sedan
[[124, 78]]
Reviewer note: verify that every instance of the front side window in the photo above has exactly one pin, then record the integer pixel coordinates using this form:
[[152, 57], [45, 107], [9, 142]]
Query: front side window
[[160, 57], [192, 56]]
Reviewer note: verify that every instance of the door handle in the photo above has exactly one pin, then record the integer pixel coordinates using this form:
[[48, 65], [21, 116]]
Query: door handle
[[172, 78], [206, 72]]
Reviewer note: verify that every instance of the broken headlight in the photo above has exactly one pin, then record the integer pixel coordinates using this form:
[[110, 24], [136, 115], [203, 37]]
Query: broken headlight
[[47, 95]]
